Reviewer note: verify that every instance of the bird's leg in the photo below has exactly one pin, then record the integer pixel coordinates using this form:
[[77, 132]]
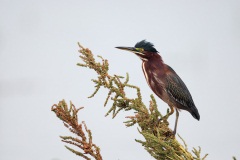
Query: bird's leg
[[164, 119], [176, 122], [167, 115], [172, 110]]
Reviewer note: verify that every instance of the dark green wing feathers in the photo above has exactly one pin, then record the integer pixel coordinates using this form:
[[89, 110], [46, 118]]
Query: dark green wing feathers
[[179, 92]]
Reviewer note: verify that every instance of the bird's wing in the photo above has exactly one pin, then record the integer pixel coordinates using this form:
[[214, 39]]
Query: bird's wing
[[178, 90]]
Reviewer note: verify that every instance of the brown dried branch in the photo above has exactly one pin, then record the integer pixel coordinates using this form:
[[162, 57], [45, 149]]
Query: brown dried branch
[[84, 140]]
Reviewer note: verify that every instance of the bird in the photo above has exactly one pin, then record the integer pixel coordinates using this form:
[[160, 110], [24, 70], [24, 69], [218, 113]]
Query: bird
[[163, 80]]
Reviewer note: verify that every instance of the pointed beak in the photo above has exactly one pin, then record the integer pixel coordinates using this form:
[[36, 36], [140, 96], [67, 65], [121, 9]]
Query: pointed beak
[[131, 49]]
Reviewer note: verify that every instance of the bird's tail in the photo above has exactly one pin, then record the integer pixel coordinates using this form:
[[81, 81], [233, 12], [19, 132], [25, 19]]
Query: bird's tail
[[195, 114]]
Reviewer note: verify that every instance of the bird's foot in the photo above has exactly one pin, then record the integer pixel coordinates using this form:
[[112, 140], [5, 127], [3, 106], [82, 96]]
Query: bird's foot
[[169, 113], [163, 120], [169, 134]]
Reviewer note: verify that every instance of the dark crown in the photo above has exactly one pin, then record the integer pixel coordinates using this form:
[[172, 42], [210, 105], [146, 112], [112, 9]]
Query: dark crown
[[147, 46]]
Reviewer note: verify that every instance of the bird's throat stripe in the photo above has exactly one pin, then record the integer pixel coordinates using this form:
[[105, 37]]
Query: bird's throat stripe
[[145, 73]]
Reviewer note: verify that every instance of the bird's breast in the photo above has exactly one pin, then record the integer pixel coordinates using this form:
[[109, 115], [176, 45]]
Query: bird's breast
[[153, 78]]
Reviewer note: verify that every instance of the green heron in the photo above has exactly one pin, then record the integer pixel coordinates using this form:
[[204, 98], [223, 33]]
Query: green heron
[[163, 80]]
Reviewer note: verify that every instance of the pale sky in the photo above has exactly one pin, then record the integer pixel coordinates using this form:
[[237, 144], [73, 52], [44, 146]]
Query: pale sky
[[200, 40]]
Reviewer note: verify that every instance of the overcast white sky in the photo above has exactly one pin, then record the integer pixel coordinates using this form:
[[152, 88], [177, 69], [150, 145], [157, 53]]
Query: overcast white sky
[[200, 39]]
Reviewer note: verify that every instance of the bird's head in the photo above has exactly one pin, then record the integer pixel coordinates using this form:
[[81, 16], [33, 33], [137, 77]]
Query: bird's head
[[143, 49]]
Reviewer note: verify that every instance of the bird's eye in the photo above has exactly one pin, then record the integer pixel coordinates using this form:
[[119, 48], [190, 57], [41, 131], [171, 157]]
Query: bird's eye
[[140, 49]]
